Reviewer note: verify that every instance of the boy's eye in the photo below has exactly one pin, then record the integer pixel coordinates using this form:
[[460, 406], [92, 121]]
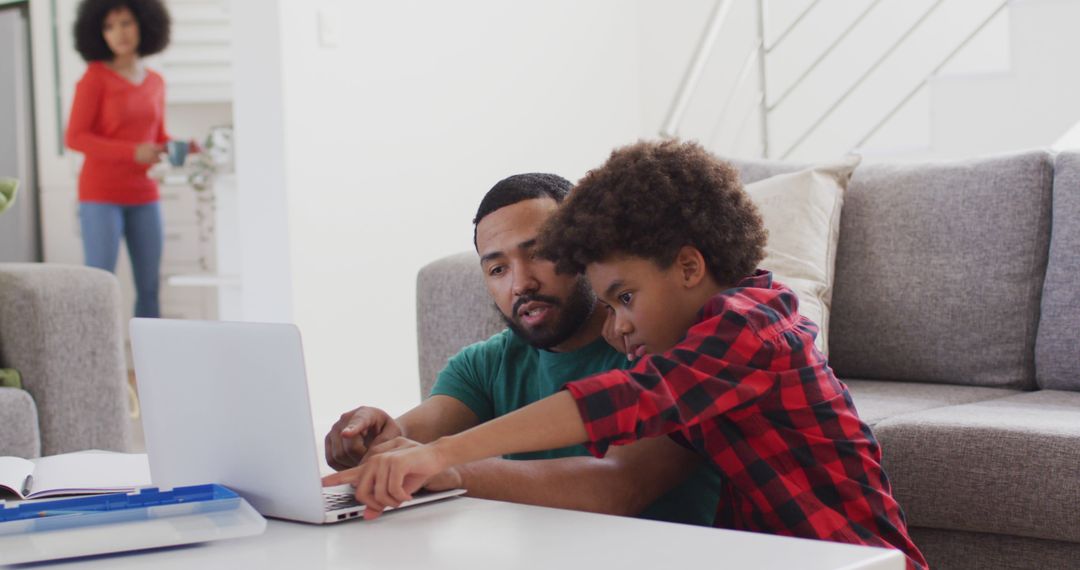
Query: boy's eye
[[625, 298]]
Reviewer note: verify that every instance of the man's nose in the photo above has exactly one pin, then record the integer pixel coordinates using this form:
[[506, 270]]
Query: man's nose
[[524, 282]]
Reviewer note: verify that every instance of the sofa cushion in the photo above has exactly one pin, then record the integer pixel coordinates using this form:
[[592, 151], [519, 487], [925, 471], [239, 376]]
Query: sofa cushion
[[940, 269], [752, 170], [1057, 348], [18, 414], [955, 550], [1002, 466], [878, 400], [801, 211]]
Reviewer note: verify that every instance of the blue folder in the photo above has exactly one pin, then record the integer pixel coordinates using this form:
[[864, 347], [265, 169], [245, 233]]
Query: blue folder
[[147, 518]]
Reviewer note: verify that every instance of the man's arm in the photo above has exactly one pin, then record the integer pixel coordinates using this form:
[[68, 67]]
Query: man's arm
[[625, 482], [436, 417]]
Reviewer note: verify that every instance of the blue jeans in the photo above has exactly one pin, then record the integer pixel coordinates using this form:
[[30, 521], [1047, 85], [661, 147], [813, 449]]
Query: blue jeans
[[104, 224]]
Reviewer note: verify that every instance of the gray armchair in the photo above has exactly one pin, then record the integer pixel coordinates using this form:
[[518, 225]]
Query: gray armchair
[[60, 329], [453, 310]]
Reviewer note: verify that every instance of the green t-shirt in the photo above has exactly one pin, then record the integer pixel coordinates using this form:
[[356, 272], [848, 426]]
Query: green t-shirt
[[504, 373]]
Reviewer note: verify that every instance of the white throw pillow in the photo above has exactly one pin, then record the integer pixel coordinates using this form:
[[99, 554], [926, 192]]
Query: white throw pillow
[[801, 211]]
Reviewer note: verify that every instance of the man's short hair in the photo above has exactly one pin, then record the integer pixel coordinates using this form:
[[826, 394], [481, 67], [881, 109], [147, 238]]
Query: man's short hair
[[518, 188], [649, 200], [152, 16]]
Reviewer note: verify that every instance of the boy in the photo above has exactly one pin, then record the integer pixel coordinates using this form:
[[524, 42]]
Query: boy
[[727, 366]]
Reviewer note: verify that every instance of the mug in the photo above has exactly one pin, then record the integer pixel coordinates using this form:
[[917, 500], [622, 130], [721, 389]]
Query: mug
[[178, 151]]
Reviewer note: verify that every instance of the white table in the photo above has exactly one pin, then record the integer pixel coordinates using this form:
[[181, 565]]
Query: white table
[[471, 534]]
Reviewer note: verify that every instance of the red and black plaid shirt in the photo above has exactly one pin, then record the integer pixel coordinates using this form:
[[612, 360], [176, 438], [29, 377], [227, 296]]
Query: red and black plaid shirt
[[747, 389]]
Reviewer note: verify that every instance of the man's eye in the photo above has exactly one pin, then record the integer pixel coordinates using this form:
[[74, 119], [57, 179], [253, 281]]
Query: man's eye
[[625, 298], [496, 270]]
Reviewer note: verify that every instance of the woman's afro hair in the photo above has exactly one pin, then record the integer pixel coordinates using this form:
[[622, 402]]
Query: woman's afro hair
[[152, 16]]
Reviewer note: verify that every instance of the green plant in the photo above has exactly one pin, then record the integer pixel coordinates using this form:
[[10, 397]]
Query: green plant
[[8, 188]]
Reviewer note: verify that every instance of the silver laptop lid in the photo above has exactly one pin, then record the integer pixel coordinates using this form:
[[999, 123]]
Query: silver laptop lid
[[228, 403]]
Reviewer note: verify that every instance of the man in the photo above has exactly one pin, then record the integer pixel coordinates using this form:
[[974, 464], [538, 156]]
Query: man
[[554, 336]]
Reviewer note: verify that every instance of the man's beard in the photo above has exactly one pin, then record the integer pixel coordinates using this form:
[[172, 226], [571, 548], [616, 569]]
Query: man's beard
[[572, 315]]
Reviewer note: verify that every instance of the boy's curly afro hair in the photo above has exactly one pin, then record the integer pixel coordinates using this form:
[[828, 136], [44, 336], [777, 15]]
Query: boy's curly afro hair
[[152, 16], [649, 200]]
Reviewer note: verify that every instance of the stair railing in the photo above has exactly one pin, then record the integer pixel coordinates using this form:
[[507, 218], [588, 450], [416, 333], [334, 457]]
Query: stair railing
[[696, 68], [937, 69], [759, 55]]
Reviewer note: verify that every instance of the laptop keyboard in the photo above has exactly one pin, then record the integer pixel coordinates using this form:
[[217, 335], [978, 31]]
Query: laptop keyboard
[[337, 501]]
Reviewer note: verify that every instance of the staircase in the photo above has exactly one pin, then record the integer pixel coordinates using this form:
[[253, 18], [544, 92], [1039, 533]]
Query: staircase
[[903, 80], [1031, 104]]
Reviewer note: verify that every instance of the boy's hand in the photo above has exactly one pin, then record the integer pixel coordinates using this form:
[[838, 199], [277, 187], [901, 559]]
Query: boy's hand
[[390, 478], [449, 479], [355, 433]]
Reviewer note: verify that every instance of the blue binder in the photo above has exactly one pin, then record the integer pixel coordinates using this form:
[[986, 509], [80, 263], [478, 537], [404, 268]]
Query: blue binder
[[115, 522]]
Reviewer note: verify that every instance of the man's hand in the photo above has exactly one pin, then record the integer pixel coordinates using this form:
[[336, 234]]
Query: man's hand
[[355, 433]]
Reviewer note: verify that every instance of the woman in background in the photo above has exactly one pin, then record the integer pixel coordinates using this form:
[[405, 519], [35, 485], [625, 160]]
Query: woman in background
[[118, 122]]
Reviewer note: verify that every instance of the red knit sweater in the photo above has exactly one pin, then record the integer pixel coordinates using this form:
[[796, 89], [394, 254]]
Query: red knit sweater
[[109, 118]]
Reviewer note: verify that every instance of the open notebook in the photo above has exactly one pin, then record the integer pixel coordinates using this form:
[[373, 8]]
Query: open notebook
[[81, 473]]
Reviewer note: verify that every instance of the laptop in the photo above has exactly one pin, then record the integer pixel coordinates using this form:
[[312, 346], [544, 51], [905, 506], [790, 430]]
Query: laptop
[[228, 403]]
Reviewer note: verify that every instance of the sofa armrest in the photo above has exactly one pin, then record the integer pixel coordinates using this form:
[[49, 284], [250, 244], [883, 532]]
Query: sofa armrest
[[60, 328], [19, 417], [453, 310]]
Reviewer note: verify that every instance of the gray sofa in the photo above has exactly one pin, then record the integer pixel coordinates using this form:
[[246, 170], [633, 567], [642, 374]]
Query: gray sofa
[[60, 329], [956, 325]]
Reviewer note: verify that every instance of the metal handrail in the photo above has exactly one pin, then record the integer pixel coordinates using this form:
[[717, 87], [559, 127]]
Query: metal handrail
[[794, 24], [696, 69], [877, 127], [762, 104], [751, 58], [825, 54], [840, 101]]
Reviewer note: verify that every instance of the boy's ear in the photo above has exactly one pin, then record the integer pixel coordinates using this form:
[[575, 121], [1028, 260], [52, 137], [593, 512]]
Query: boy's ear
[[691, 265]]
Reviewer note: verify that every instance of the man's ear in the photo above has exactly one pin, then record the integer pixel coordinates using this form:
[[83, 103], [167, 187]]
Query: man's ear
[[691, 266]]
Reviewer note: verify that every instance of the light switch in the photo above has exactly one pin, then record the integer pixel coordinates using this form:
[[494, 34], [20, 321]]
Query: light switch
[[328, 27]]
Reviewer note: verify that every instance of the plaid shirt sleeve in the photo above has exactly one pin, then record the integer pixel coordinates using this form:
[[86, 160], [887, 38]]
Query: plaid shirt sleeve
[[669, 392]]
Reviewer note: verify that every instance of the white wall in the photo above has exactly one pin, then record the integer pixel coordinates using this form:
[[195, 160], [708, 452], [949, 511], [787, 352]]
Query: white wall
[[1070, 141], [390, 140], [262, 200]]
